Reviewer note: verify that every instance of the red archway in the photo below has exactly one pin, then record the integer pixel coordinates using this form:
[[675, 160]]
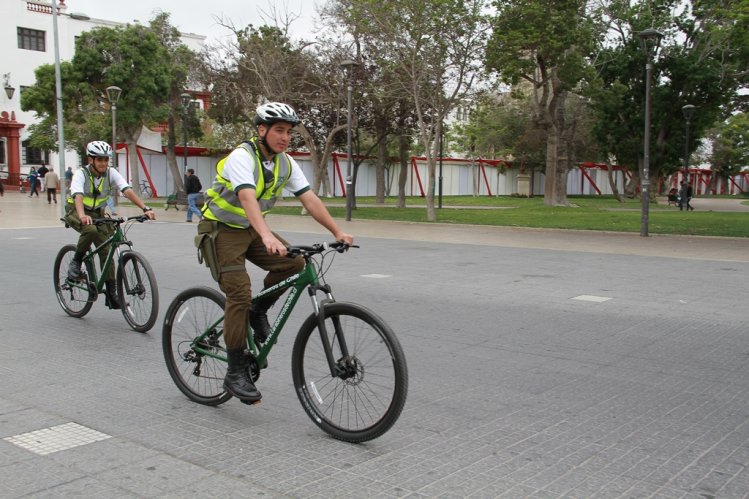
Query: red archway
[[10, 129]]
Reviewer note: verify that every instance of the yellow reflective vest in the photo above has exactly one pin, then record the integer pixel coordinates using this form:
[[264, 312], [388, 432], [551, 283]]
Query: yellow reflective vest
[[222, 203], [96, 192]]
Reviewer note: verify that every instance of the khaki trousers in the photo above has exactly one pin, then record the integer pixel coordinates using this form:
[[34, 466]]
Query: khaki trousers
[[233, 247]]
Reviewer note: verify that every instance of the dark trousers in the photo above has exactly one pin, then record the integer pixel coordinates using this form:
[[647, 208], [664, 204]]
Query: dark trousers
[[90, 234], [52, 194], [233, 247]]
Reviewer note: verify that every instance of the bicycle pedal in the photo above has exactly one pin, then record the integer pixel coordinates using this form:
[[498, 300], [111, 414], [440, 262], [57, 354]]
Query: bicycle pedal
[[250, 402]]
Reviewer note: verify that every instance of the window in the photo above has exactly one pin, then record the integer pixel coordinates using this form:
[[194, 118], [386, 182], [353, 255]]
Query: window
[[2, 151], [33, 156], [31, 39]]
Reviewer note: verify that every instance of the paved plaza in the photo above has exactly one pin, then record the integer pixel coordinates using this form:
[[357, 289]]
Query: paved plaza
[[542, 363]]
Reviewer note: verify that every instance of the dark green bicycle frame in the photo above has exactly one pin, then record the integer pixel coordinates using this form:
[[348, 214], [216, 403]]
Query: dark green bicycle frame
[[114, 242], [297, 283]]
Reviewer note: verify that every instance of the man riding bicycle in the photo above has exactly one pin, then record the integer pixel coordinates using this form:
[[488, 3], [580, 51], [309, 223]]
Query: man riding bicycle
[[90, 189], [247, 184]]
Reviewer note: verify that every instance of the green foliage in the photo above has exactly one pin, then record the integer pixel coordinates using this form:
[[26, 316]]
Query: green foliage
[[731, 145], [132, 58], [528, 35], [701, 62]]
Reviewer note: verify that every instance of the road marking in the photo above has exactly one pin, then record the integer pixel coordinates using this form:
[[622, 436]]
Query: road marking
[[57, 438], [596, 299]]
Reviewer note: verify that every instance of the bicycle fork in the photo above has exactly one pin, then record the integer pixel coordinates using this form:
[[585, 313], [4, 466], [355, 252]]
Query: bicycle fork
[[344, 367]]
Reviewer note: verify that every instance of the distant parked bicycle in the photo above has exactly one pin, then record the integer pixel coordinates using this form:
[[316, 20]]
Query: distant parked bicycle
[[347, 365], [145, 190], [136, 283]]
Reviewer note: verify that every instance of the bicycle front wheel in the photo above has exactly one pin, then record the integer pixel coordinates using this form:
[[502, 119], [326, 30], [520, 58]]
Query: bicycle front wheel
[[367, 394], [193, 344], [75, 297], [138, 292]]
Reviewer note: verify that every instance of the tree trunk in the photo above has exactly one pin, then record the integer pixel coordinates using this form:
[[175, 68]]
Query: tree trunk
[[133, 161], [171, 158], [403, 174], [552, 163], [612, 183], [382, 152]]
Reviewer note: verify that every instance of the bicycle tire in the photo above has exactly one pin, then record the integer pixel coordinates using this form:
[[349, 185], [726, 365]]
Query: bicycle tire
[[145, 192], [76, 299], [365, 405], [138, 291], [200, 377]]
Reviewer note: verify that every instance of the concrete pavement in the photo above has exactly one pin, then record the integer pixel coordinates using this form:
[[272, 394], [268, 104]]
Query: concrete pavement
[[17, 210], [542, 364]]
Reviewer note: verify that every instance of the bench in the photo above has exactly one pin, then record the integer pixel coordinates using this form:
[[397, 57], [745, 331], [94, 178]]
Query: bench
[[180, 198]]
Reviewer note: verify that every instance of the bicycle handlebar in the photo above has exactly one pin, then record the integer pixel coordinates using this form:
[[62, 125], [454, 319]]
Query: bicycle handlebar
[[318, 248], [119, 220]]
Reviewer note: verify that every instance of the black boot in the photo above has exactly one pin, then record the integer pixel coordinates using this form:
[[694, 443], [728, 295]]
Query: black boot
[[259, 320], [74, 270], [111, 299], [238, 381]]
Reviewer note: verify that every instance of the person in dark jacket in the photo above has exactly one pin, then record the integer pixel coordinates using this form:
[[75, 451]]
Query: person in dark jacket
[[192, 188]]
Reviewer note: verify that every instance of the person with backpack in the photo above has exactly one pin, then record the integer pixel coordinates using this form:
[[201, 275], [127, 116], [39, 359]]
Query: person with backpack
[[248, 183]]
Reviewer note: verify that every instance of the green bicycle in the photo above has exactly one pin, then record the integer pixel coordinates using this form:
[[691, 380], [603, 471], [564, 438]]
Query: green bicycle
[[136, 282], [348, 368]]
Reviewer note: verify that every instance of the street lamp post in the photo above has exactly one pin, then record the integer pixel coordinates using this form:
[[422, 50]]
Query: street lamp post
[[186, 98], [349, 65], [688, 112], [113, 94], [58, 100], [650, 40]]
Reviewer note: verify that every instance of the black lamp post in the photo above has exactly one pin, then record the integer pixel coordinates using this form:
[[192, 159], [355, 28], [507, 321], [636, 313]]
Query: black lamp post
[[9, 90], [349, 65], [650, 40], [688, 112], [113, 94], [186, 98]]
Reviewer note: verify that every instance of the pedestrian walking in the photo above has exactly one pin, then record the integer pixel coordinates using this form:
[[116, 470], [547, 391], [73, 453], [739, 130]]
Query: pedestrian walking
[[192, 188], [42, 171], [33, 179], [51, 184]]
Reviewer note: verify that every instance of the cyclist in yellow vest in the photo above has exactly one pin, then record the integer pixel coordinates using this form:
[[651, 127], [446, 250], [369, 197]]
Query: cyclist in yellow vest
[[90, 189], [247, 184]]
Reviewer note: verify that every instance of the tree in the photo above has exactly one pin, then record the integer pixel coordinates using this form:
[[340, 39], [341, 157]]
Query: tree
[[544, 44], [134, 59], [702, 62], [180, 63], [730, 146], [432, 45]]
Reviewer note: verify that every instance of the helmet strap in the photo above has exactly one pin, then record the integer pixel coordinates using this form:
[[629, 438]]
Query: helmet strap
[[264, 142]]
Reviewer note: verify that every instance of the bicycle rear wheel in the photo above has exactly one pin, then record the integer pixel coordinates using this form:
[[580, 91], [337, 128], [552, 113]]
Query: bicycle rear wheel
[[367, 395], [75, 297], [195, 320], [138, 292]]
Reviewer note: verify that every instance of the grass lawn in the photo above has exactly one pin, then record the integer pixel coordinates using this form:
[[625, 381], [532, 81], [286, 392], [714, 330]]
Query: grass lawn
[[585, 213]]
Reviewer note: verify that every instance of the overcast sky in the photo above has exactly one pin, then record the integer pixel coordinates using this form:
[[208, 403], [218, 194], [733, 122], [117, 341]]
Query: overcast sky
[[198, 16]]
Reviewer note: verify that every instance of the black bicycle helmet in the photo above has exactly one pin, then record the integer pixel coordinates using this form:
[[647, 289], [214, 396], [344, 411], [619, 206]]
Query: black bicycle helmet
[[275, 112]]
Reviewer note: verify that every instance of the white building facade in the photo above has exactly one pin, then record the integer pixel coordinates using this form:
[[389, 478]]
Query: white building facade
[[27, 42]]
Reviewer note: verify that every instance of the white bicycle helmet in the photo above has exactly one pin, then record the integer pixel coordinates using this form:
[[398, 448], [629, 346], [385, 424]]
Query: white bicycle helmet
[[98, 149], [274, 112]]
